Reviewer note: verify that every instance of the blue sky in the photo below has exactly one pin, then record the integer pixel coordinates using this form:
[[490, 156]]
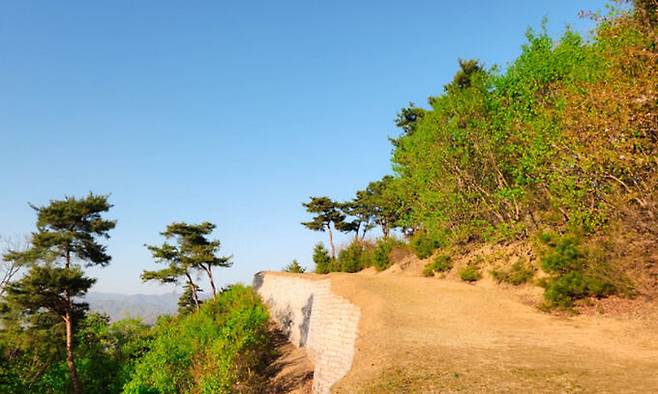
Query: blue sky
[[233, 112]]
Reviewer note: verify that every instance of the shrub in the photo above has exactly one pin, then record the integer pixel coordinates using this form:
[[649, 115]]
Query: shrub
[[441, 263], [517, 274], [355, 257], [470, 273], [323, 262], [564, 255], [424, 243], [563, 290], [294, 268], [223, 347], [381, 257], [571, 277]]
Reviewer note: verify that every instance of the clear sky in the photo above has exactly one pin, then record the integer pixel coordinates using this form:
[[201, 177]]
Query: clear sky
[[232, 112]]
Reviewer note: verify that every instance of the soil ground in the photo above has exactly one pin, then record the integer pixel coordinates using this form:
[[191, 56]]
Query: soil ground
[[291, 371], [436, 335]]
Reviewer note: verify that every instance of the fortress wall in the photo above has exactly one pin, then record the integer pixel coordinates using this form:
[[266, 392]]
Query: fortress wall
[[315, 318]]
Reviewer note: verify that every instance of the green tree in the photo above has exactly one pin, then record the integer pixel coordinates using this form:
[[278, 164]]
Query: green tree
[[294, 267], [361, 211], [383, 202], [327, 213], [67, 236], [193, 252]]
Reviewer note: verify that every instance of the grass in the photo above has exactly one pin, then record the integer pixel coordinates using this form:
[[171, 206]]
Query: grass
[[441, 263], [470, 273]]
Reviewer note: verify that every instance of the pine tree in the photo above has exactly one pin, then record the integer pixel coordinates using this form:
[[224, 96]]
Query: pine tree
[[66, 237], [193, 253], [362, 212], [294, 268], [382, 201], [327, 213], [323, 262]]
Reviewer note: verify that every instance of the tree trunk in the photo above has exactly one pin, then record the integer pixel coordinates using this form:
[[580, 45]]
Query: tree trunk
[[331, 242], [195, 295], [70, 362], [212, 282]]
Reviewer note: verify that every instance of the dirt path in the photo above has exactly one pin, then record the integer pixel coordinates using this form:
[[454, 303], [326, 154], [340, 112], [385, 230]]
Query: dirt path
[[431, 335], [291, 371]]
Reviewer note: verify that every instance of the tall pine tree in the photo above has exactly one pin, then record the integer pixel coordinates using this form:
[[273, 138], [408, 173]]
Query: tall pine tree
[[67, 238]]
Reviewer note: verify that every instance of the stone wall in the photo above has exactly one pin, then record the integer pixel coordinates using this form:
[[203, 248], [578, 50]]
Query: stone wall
[[315, 318]]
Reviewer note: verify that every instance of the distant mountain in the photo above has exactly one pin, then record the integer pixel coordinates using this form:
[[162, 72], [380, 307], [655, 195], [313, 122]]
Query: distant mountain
[[145, 306]]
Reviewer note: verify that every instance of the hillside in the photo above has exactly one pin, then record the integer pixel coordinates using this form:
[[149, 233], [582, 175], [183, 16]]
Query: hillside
[[556, 153]]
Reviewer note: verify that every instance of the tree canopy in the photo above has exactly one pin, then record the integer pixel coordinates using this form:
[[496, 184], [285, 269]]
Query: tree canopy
[[327, 213], [192, 253]]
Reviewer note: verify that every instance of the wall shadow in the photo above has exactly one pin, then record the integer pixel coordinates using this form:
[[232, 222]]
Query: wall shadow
[[306, 321], [259, 278]]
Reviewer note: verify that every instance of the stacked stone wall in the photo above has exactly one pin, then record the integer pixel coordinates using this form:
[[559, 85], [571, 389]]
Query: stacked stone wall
[[314, 318]]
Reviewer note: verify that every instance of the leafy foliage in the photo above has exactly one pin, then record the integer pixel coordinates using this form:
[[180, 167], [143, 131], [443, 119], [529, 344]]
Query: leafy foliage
[[518, 147], [381, 258], [424, 243], [563, 139], [355, 257], [31, 361], [222, 348]]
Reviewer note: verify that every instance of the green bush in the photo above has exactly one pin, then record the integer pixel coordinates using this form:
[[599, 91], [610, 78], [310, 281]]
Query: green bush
[[564, 255], [222, 348], [424, 243], [355, 257], [571, 276], [441, 263], [322, 259], [470, 273], [381, 258], [517, 274]]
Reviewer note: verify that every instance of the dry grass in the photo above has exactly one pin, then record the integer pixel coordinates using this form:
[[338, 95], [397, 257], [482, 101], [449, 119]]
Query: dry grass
[[429, 335]]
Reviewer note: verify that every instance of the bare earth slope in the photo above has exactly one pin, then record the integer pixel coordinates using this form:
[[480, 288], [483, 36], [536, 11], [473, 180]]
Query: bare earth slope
[[430, 335]]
